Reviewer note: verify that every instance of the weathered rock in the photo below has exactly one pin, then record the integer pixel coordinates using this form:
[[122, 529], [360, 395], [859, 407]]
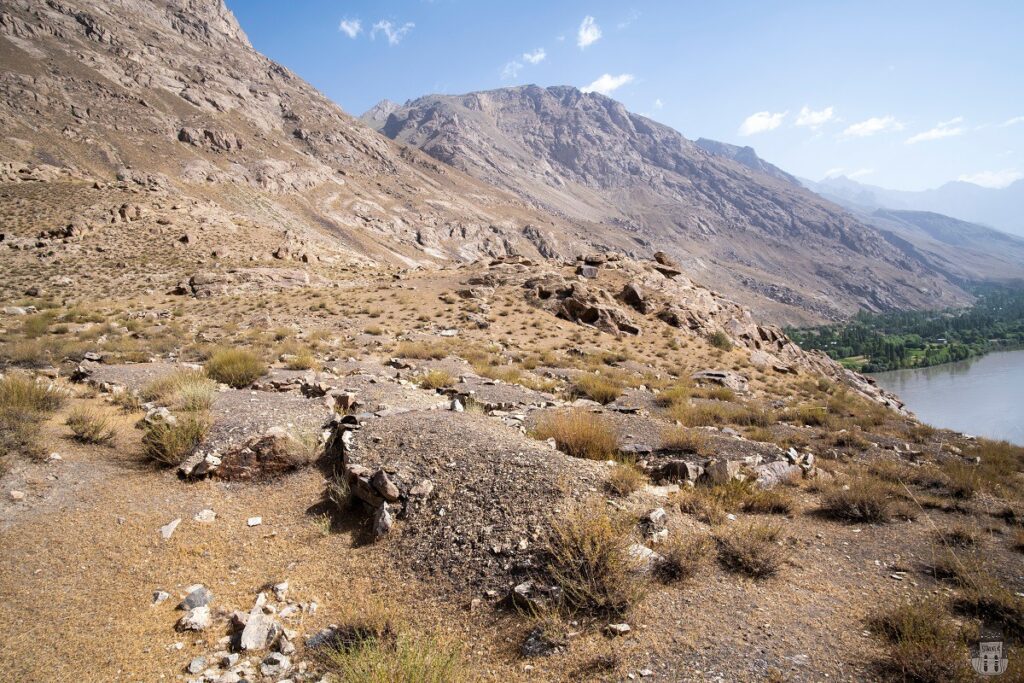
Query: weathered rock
[[384, 486], [196, 619], [775, 473], [382, 521], [633, 296], [275, 664], [198, 596], [677, 470], [722, 471], [261, 629], [167, 530], [589, 272], [617, 629], [726, 378]]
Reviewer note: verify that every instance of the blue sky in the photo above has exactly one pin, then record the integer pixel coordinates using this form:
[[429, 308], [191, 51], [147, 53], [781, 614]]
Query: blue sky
[[906, 95]]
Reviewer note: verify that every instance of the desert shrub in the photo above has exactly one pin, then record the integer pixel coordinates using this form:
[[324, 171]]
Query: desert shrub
[[597, 387], [708, 414], [169, 444], [679, 393], [89, 425], [625, 478], [769, 502], [579, 433], [999, 467], [36, 325], [864, 500], [924, 644], [436, 379], [399, 659], [420, 350], [751, 549], [589, 559], [957, 537], [990, 600], [685, 440], [682, 557], [961, 480], [23, 394], [808, 415], [720, 340], [183, 389], [711, 504], [716, 393], [237, 368], [848, 439], [303, 360]]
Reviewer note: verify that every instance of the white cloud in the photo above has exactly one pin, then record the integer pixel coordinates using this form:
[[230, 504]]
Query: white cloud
[[607, 83], [658, 104], [511, 70], [859, 173], [393, 33], [943, 129], [535, 57], [761, 122], [992, 179], [1012, 122], [834, 172], [350, 27], [589, 32], [876, 124], [813, 119]]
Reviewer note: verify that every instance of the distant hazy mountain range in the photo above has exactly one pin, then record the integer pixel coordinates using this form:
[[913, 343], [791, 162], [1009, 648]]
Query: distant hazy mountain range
[[1002, 208]]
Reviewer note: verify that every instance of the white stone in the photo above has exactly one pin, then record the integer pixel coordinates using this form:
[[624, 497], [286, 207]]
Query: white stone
[[254, 521], [167, 530]]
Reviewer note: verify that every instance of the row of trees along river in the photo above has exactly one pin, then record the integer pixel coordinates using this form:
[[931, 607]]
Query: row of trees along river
[[874, 342]]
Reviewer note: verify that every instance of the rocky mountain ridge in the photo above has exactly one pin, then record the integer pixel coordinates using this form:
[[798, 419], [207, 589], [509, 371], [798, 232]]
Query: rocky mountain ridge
[[768, 242]]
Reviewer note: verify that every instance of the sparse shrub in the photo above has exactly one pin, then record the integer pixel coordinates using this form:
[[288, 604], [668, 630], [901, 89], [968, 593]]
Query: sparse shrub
[[89, 425], [751, 549], [685, 440], [625, 478], [957, 537], [398, 659], [237, 368], [711, 504], [709, 414], [303, 360], [717, 393], [597, 387], [579, 433], [683, 556], [36, 325], [924, 644], [809, 415], [962, 480], [588, 557], [679, 393], [436, 379], [769, 502], [864, 500], [420, 350], [23, 394], [848, 439], [170, 444], [183, 389], [720, 340]]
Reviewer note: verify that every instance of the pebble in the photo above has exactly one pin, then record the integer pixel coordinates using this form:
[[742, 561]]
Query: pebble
[[254, 521], [196, 665], [206, 515], [617, 629], [17, 495], [160, 596], [167, 530]]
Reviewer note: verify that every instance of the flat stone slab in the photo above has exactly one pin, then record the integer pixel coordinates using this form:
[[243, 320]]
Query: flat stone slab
[[239, 415], [499, 396], [131, 376]]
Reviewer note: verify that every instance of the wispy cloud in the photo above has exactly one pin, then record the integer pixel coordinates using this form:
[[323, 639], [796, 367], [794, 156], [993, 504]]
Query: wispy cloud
[[859, 173], [872, 126], [943, 129], [840, 172], [535, 57], [589, 32], [392, 32], [658, 104], [1012, 122], [813, 119], [993, 179], [834, 172], [351, 27], [608, 83], [511, 70], [761, 122]]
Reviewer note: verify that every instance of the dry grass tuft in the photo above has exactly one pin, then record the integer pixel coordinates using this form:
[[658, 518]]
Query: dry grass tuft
[[864, 500], [751, 549], [237, 368], [170, 444], [92, 426], [957, 537], [769, 502], [579, 433], [924, 644], [685, 440], [420, 351], [625, 478], [436, 379], [24, 403], [399, 659], [303, 360], [683, 556], [183, 390], [597, 388], [588, 557]]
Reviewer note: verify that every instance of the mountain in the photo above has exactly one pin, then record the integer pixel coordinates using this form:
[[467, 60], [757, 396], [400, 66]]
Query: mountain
[[761, 238], [377, 115], [746, 156], [1000, 208], [171, 97]]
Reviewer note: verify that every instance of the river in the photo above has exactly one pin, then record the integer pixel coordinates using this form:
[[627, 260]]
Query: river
[[981, 396]]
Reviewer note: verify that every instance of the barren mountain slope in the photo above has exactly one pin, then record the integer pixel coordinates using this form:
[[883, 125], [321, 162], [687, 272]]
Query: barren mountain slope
[[171, 96], [778, 247]]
